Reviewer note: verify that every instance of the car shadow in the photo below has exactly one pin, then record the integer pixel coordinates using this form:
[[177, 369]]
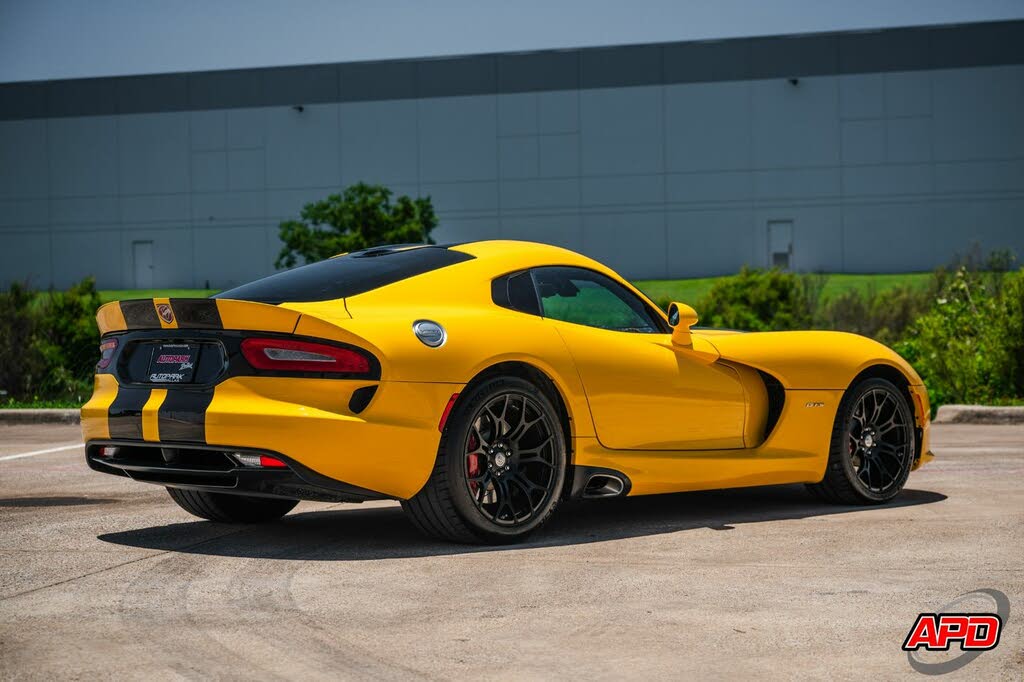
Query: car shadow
[[354, 534]]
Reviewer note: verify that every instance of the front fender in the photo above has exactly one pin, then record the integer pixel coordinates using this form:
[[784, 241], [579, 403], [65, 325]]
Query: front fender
[[811, 359]]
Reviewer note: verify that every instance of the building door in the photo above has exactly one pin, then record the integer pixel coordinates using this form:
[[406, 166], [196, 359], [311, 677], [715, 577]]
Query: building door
[[142, 257], [780, 244]]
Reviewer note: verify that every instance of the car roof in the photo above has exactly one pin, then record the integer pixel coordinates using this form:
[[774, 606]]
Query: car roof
[[513, 254], [464, 281]]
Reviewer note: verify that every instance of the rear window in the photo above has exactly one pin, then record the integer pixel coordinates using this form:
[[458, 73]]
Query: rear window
[[345, 276]]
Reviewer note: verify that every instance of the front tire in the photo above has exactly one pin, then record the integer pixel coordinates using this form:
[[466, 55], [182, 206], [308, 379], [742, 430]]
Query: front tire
[[500, 467], [231, 508], [873, 446]]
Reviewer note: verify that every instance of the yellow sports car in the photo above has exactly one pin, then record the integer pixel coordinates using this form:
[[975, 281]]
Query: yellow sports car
[[480, 384]]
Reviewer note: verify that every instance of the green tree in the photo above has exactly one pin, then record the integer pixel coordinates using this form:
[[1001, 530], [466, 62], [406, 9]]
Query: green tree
[[361, 217]]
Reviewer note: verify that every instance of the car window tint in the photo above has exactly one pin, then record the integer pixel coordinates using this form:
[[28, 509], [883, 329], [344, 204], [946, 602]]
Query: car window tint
[[589, 298], [347, 275], [515, 292]]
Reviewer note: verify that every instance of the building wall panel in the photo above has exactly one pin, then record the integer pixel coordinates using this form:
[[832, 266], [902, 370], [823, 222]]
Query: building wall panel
[[663, 161]]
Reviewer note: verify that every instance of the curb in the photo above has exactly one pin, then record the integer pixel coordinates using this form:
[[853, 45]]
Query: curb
[[978, 414], [15, 416]]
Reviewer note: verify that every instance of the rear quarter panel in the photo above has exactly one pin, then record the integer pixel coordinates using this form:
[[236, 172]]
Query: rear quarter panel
[[478, 337]]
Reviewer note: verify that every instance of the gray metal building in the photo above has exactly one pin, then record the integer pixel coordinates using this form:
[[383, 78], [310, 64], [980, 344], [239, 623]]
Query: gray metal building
[[876, 151]]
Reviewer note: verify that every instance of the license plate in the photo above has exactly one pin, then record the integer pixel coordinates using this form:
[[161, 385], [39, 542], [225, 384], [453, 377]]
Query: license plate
[[173, 363]]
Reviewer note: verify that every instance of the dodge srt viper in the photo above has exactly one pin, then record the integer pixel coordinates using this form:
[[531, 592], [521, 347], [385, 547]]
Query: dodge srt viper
[[480, 384]]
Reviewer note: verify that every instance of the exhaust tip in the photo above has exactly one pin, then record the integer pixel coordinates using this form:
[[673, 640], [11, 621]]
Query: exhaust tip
[[604, 485]]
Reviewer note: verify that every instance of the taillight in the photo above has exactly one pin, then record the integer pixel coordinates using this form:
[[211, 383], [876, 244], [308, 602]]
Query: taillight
[[303, 356], [107, 349]]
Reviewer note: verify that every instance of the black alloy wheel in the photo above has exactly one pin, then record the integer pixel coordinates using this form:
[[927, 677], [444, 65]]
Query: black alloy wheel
[[881, 440], [511, 465], [873, 447], [500, 468]]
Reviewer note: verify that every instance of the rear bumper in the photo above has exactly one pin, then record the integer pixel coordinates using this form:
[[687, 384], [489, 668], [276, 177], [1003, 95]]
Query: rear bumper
[[213, 469], [387, 446]]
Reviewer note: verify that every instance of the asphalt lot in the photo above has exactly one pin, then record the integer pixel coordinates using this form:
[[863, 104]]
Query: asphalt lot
[[103, 577]]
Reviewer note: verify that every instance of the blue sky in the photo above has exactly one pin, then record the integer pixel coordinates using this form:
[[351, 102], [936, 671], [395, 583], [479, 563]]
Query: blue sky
[[44, 39]]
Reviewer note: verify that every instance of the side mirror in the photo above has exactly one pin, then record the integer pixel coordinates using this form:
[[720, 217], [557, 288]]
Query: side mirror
[[681, 317]]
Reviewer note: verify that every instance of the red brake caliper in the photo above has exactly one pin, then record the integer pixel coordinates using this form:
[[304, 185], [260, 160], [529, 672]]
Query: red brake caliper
[[473, 461]]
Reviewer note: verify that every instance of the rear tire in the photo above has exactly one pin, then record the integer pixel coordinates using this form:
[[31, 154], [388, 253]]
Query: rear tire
[[231, 508], [872, 447], [500, 467]]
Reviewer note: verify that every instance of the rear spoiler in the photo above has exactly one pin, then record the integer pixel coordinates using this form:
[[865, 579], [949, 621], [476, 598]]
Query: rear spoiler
[[195, 313]]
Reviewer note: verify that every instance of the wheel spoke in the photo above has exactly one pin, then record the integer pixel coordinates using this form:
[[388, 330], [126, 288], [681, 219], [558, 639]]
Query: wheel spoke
[[505, 428], [475, 429], [500, 425], [526, 491], [885, 469], [858, 417], [863, 473], [530, 484], [481, 488], [500, 497], [522, 428], [536, 450], [888, 426], [887, 448]]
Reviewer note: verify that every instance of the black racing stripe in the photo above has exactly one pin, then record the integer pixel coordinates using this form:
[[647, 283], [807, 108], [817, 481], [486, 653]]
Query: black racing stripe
[[196, 313], [182, 416], [140, 314], [124, 415]]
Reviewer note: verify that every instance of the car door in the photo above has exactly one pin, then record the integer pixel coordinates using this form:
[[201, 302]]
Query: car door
[[645, 393]]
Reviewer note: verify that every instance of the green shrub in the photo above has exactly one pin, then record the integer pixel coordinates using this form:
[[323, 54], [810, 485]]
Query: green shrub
[[969, 347], [963, 332], [48, 342], [762, 300], [20, 367], [883, 315]]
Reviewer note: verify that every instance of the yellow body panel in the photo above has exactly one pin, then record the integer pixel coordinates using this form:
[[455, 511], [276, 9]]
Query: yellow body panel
[[150, 422], [381, 449], [94, 413], [670, 417], [810, 359], [663, 398], [796, 452], [109, 318]]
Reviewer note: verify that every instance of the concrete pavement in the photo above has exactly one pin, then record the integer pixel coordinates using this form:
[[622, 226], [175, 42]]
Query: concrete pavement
[[104, 577]]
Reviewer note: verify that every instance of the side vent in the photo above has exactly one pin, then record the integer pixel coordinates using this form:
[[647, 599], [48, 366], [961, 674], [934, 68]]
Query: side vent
[[776, 399], [361, 398]]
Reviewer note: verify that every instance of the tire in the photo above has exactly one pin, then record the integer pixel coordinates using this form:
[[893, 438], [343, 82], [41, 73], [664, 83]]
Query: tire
[[495, 480], [872, 446], [231, 508]]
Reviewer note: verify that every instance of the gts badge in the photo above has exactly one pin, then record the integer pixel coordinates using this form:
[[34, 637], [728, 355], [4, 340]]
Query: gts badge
[[814, 403]]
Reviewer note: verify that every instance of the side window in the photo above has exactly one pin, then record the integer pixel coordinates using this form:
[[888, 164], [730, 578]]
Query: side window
[[516, 292], [589, 298]]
